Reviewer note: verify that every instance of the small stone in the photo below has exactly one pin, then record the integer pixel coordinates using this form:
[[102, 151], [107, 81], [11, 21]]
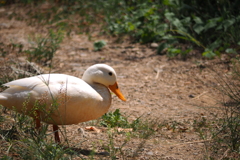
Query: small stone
[[2, 10], [150, 153], [82, 132], [154, 45], [191, 96], [4, 25]]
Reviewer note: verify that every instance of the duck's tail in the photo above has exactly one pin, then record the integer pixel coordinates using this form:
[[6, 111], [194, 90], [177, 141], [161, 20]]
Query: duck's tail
[[3, 99]]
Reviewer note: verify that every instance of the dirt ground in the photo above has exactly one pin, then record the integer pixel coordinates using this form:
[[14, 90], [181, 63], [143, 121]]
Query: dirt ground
[[156, 87]]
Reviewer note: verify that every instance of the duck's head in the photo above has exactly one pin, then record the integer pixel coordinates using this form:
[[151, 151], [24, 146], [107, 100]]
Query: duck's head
[[105, 75]]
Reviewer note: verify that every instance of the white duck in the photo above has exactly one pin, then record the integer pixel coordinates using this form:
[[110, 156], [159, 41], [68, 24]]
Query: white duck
[[61, 99]]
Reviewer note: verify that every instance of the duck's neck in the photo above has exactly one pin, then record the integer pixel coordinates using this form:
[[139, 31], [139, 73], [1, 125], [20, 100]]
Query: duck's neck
[[87, 79]]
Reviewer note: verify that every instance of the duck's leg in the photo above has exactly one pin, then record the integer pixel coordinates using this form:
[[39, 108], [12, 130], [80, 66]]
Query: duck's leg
[[56, 135]]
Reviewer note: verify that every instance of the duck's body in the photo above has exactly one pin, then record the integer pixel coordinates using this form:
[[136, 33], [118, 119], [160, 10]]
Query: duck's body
[[61, 99], [70, 100]]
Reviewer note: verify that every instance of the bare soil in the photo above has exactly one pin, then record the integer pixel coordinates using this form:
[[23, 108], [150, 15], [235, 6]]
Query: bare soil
[[171, 91]]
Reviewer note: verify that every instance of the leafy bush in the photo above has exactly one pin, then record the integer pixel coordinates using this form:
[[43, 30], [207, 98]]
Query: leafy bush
[[203, 23], [141, 19], [210, 25]]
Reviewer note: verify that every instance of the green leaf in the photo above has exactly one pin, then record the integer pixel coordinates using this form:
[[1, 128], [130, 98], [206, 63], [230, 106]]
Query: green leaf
[[231, 50], [227, 23], [99, 45], [208, 53], [161, 29], [198, 20], [186, 20], [167, 2], [131, 27], [212, 23], [173, 52], [219, 27], [177, 23], [186, 51], [198, 28], [209, 25], [161, 47], [168, 37], [170, 16], [215, 44]]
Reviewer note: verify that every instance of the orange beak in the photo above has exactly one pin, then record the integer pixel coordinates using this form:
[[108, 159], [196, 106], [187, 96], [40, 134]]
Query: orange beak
[[114, 88]]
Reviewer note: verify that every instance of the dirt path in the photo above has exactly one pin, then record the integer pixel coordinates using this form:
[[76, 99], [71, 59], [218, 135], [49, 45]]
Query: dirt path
[[172, 91]]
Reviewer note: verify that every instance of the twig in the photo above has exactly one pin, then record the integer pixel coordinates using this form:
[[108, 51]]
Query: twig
[[224, 154], [201, 141], [158, 71], [200, 95]]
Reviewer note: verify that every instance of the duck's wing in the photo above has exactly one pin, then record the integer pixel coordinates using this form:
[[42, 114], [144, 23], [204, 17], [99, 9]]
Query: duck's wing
[[44, 79], [46, 86], [51, 83]]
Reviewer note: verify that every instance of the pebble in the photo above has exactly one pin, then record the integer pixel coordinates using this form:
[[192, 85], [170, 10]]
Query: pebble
[[150, 153], [4, 25], [154, 45], [191, 96], [2, 10]]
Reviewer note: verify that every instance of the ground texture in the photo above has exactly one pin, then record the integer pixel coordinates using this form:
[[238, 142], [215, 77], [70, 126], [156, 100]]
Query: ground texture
[[171, 91]]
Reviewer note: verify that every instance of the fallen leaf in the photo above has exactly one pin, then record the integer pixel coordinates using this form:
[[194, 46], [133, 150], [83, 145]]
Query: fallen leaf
[[92, 128]]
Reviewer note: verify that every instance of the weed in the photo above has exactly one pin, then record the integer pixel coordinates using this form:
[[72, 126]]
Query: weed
[[223, 129], [231, 122], [141, 128], [45, 48], [29, 143], [114, 119], [99, 45]]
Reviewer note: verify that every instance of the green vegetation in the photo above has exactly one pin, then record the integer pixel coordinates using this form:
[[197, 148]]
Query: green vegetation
[[45, 48], [142, 128], [114, 119], [99, 45], [211, 26]]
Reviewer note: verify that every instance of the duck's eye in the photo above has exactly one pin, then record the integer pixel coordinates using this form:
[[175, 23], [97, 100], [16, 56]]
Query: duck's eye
[[110, 73]]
